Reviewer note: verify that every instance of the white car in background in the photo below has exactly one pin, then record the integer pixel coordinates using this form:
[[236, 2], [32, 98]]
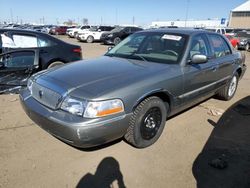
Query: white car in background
[[72, 32], [93, 34]]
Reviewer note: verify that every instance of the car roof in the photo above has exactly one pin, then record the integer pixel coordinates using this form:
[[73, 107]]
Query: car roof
[[183, 31]]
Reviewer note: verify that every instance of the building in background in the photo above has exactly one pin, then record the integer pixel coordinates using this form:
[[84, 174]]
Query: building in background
[[240, 16], [209, 23]]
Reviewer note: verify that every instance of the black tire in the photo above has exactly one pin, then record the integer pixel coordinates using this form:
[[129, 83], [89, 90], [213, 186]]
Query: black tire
[[147, 122], [237, 47], [90, 39], [225, 93], [247, 47], [54, 64], [117, 40]]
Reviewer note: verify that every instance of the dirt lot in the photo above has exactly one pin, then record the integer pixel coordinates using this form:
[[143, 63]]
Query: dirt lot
[[30, 157]]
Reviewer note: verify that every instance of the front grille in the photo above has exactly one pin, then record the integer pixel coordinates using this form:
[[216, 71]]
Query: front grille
[[46, 96]]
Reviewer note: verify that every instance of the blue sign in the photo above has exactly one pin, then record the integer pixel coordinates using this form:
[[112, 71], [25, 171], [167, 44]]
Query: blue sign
[[223, 21]]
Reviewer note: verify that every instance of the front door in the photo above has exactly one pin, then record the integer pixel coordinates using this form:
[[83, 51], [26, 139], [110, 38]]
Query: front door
[[199, 79]]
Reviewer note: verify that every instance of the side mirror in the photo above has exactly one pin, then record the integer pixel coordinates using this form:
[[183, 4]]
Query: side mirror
[[110, 48], [198, 59]]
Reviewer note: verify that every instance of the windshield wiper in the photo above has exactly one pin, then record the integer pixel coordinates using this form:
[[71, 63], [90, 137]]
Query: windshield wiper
[[137, 55]]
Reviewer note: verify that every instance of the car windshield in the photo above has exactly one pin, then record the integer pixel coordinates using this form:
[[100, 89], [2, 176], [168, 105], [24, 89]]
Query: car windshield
[[93, 28], [117, 29], [151, 46]]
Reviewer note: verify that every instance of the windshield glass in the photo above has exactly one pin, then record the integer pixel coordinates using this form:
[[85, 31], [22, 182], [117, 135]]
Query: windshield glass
[[117, 29], [93, 28], [151, 46]]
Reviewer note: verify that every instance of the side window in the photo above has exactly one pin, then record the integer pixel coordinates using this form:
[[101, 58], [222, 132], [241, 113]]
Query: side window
[[43, 42], [25, 41], [199, 45], [7, 41], [127, 30], [18, 59], [219, 45]]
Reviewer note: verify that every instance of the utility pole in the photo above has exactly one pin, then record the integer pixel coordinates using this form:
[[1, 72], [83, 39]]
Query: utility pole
[[11, 15], [116, 16], [187, 10], [133, 20]]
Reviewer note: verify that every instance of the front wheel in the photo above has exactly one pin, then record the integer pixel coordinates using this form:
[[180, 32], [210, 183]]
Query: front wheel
[[247, 47], [90, 39], [147, 122], [229, 90], [117, 40]]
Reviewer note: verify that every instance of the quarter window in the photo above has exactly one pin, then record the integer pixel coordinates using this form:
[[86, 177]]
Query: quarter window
[[43, 42], [220, 46]]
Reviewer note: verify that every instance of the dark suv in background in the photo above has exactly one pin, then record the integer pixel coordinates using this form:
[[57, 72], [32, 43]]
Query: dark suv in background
[[118, 34]]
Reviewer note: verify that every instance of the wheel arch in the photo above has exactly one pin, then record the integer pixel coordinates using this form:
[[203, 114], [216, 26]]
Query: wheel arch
[[52, 61], [164, 95]]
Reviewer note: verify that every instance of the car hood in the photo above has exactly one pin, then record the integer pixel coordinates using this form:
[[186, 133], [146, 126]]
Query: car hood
[[95, 77]]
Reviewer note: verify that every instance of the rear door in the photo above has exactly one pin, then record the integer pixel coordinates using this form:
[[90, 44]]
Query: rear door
[[15, 69], [223, 56]]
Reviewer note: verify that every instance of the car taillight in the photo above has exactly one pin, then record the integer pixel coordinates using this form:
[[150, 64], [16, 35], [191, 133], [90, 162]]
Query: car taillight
[[77, 50]]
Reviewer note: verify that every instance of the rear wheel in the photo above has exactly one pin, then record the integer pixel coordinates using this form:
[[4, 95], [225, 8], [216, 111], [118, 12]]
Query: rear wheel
[[90, 39], [54, 64], [229, 90], [147, 122]]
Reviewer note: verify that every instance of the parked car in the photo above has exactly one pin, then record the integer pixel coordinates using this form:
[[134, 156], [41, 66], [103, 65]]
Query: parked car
[[131, 91], [233, 40], [58, 30], [217, 30], [72, 32], [46, 29], [51, 51], [118, 34], [244, 37], [93, 34]]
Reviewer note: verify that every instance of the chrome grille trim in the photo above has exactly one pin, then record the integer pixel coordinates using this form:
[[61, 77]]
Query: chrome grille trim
[[46, 96]]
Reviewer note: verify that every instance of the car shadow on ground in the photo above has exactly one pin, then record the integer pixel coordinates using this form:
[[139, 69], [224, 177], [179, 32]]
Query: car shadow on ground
[[107, 175], [225, 159]]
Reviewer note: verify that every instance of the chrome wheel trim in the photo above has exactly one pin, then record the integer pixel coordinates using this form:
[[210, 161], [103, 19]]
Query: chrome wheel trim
[[232, 86]]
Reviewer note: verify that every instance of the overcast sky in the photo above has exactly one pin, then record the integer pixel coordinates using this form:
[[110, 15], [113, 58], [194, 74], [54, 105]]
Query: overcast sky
[[142, 12]]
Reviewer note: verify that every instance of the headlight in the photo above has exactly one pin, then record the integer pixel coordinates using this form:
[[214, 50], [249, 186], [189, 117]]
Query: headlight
[[103, 108], [29, 85], [110, 35], [73, 106]]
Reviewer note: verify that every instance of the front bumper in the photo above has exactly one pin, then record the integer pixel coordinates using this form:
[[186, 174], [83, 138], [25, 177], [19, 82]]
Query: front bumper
[[74, 130], [107, 41], [242, 45], [81, 38]]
